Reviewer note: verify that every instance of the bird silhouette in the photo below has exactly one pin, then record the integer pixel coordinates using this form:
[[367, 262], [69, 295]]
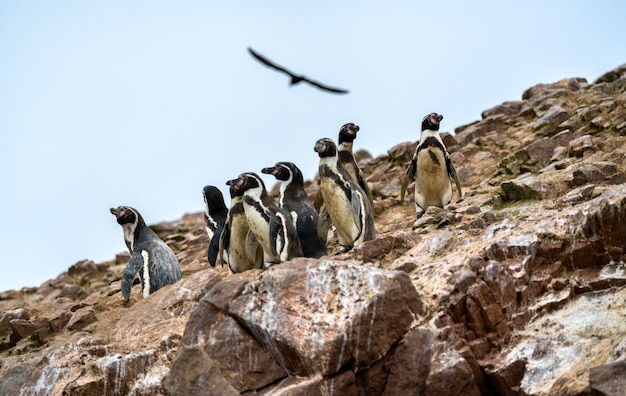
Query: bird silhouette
[[295, 78]]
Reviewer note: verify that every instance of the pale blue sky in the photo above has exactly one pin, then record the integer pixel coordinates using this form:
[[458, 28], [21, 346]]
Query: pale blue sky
[[142, 103]]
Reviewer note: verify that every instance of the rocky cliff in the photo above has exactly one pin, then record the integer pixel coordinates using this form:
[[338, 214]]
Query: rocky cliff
[[516, 289]]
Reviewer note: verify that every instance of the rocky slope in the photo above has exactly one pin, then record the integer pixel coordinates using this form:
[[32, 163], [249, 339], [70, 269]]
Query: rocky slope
[[516, 289]]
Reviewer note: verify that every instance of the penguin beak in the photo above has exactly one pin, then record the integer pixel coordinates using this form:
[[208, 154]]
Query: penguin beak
[[116, 212], [268, 171], [438, 117], [320, 147]]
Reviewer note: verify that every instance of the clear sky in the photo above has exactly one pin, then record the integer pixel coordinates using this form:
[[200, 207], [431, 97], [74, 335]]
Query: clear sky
[[142, 103]]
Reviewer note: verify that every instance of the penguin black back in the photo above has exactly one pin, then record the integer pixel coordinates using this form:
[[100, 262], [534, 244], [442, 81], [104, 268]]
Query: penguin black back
[[294, 199], [215, 214], [271, 224], [346, 202], [155, 262]]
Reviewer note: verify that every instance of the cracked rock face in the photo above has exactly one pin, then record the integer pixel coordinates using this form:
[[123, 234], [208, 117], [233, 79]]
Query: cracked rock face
[[518, 288]]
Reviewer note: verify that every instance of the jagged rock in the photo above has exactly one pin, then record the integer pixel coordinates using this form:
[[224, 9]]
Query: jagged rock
[[195, 373], [410, 364], [608, 379], [579, 145], [240, 357], [317, 317], [541, 151], [450, 374], [81, 319], [549, 122], [530, 186]]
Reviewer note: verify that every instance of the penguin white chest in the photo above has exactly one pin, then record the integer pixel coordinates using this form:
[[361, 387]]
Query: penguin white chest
[[258, 225], [432, 187]]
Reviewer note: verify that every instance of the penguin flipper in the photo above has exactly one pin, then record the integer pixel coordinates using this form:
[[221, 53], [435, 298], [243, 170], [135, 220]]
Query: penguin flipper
[[358, 210], [453, 175], [409, 176], [132, 268], [223, 245], [254, 252], [165, 266], [364, 186], [214, 245], [323, 224], [277, 234]]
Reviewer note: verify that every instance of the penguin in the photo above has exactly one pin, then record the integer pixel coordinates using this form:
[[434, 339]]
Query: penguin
[[215, 212], [237, 246], [431, 168], [295, 201], [347, 134], [271, 225], [149, 255], [346, 202]]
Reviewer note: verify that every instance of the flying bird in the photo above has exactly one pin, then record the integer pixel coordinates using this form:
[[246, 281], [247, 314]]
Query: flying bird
[[295, 78]]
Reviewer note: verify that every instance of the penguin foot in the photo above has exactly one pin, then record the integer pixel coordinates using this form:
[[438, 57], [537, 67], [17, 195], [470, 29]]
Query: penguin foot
[[419, 212], [344, 249], [269, 264]]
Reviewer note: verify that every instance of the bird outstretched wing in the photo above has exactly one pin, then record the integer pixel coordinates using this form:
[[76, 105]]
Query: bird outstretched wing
[[295, 78], [325, 87], [271, 64]]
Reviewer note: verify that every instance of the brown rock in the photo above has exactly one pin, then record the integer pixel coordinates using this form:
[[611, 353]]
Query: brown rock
[[81, 319], [579, 145], [410, 364], [541, 151], [195, 373], [609, 379], [450, 375], [316, 317], [243, 362]]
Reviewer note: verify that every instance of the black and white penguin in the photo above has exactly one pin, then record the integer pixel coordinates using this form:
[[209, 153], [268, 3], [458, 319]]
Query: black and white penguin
[[238, 247], [346, 202], [215, 212], [431, 168], [149, 255], [295, 200], [347, 134], [271, 225]]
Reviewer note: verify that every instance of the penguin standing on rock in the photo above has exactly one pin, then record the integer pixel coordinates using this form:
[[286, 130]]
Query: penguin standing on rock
[[431, 168], [237, 246], [215, 213], [149, 255], [295, 200], [346, 202], [347, 134], [271, 225]]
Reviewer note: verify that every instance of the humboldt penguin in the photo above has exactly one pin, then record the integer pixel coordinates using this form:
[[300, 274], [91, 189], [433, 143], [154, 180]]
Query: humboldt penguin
[[271, 225], [347, 134], [296, 202], [215, 212], [346, 202], [237, 246], [149, 255], [431, 168]]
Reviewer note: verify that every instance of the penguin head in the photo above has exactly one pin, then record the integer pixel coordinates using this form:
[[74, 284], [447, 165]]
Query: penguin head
[[325, 147], [127, 215], [285, 171], [213, 198], [247, 181], [431, 122], [234, 192], [347, 133]]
